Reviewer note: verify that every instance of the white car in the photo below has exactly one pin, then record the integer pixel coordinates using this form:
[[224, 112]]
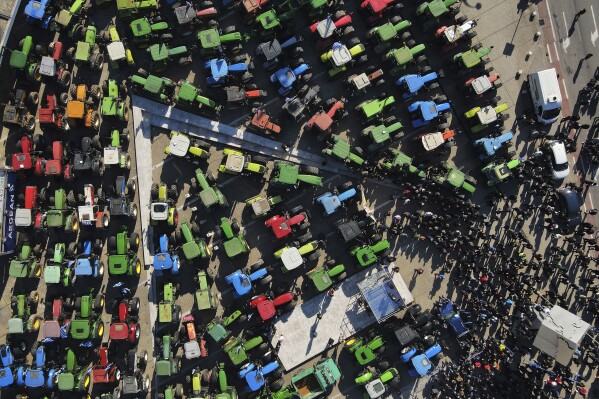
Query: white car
[[558, 160]]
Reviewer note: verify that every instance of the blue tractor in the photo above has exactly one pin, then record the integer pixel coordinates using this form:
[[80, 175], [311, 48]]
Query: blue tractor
[[7, 376], [254, 374], [421, 363], [411, 84], [331, 202], [165, 260], [38, 13], [88, 264], [424, 112], [220, 70], [286, 77], [489, 146], [242, 280]]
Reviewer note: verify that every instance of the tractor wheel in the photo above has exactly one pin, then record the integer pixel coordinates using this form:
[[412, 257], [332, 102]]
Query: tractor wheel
[[173, 191], [362, 59], [98, 62], [442, 127], [72, 249], [29, 122], [310, 169], [98, 246], [100, 269], [99, 303], [477, 46], [143, 360], [305, 238], [130, 189], [133, 211], [34, 322], [395, 19], [166, 37], [236, 49], [354, 41], [260, 159], [134, 240], [116, 394], [229, 29], [289, 306], [81, 197], [348, 31], [64, 78], [86, 144], [314, 256], [33, 98], [277, 385], [442, 98], [185, 60], [345, 186], [111, 244], [235, 226], [176, 315], [471, 34], [265, 280], [63, 98], [421, 59], [410, 43], [134, 306], [433, 86], [495, 100], [306, 77], [84, 383], [95, 142], [136, 267], [143, 73], [71, 54], [73, 91], [96, 92], [461, 19], [195, 229], [256, 266], [95, 120], [154, 191]]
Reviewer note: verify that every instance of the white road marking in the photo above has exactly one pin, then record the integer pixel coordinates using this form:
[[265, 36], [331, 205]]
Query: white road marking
[[565, 89], [549, 54], [595, 33], [566, 41], [556, 52], [551, 19]]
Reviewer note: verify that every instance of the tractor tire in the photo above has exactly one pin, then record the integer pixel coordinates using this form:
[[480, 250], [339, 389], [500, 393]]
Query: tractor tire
[[229, 29], [64, 79], [185, 60], [176, 315], [348, 31], [305, 238], [461, 19], [63, 98], [306, 77], [111, 244], [405, 36], [298, 62], [95, 120], [173, 192], [354, 41], [310, 169], [362, 59], [395, 19], [96, 92], [73, 91], [471, 34], [277, 385], [98, 62], [260, 159], [345, 186], [265, 280], [33, 98], [71, 54], [495, 100], [195, 229], [134, 306], [256, 266], [235, 226], [433, 86], [134, 240], [442, 98], [314, 256], [421, 59], [295, 210], [99, 303], [34, 322], [29, 122], [86, 144], [442, 127], [72, 250], [303, 226], [411, 43], [477, 46], [154, 191]]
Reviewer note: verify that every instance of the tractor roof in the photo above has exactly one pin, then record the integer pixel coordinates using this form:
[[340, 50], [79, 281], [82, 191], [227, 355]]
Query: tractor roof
[[118, 264], [159, 52], [119, 331], [141, 27], [80, 329], [83, 267], [15, 326], [188, 92], [163, 367], [66, 381], [209, 197], [165, 314], [75, 109], [18, 59], [52, 274], [51, 329], [209, 38], [191, 250], [55, 218], [18, 268], [235, 246], [287, 173]]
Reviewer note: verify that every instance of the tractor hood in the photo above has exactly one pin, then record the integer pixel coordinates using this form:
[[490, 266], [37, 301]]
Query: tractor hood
[[163, 261], [163, 367], [80, 329], [52, 274], [6, 377], [34, 378], [16, 326], [65, 381], [119, 331], [83, 267], [51, 329], [17, 269], [118, 264]]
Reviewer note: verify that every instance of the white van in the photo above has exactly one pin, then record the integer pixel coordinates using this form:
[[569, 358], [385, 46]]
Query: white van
[[545, 95]]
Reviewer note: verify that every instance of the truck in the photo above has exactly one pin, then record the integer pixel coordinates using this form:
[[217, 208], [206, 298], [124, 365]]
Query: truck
[[311, 383], [545, 95]]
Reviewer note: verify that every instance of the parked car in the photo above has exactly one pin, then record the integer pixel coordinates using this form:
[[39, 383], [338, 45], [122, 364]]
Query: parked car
[[558, 157]]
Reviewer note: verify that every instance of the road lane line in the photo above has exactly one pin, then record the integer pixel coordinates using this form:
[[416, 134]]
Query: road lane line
[[556, 52], [549, 54], [565, 89], [550, 19], [566, 41], [595, 33]]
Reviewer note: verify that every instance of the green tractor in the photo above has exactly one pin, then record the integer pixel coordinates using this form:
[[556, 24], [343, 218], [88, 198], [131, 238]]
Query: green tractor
[[476, 57], [377, 383], [63, 18], [235, 163], [167, 363], [163, 207], [203, 295], [233, 237], [371, 109], [23, 59], [23, 318], [87, 322], [129, 9], [226, 391], [326, 275], [172, 392], [210, 196], [213, 41], [318, 8], [72, 377], [122, 250], [27, 262], [271, 21], [115, 153], [61, 215], [432, 11], [451, 177], [188, 95], [401, 163], [341, 149], [146, 31], [382, 134], [162, 56], [218, 328], [500, 171], [57, 270], [366, 351], [405, 56], [289, 174], [192, 247], [87, 51], [113, 104], [384, 34], [237, 348], [369, 254], [168, 310], [152, 86], [181, 145]]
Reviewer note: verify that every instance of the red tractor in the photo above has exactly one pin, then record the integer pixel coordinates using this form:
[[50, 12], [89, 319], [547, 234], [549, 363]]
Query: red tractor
[[54, 167], [333, 26], [269, 307], [28, 206], [60, 316], [53, 67], [51, 115], [261, 122], [377, 9], [284, 225], [105, 372], [324, 121], [124, 325], [31, 149]]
